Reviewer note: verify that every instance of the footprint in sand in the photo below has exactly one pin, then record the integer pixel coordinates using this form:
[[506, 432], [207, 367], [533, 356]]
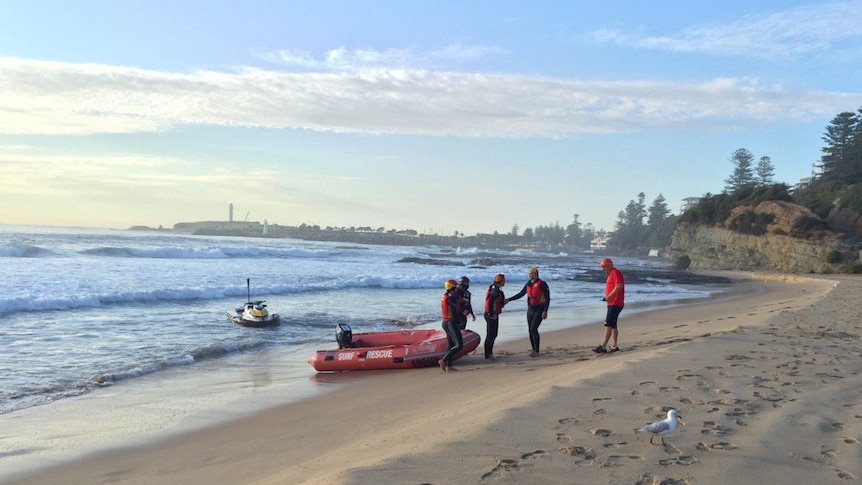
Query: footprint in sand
[[647, 479], [569, 420], [617, 460], [508, 465], [615, 445], [721, 445], [713, 428], [563, 438], [681, 460], [582, 455], [533, 454], [504, 465], [604, 433], [827, 456], [851, 441]]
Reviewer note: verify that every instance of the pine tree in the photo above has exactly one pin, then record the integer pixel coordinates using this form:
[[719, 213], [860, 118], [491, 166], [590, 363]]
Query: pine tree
[[743, 171], [765, 171]]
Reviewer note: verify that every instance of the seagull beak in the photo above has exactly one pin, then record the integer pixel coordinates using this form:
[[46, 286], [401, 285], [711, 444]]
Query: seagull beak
[[679, 419]]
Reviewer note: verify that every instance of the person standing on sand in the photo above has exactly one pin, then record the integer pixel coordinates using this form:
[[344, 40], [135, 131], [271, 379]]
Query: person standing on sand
[[615, 294], [494, 301], [450, 304], [538, 301], [466, 305]]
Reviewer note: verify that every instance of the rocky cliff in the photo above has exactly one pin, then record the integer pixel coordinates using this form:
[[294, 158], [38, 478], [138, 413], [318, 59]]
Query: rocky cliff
[[772, 236]]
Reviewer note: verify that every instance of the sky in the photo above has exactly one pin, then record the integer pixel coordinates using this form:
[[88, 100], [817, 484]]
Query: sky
[[444, 117]]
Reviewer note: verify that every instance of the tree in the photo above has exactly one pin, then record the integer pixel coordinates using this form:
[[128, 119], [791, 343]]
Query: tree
[[660, 224], [629, 226], [658, 211], [765, 171], [574, 234], [515, 230], [743, 172], [839, 138]]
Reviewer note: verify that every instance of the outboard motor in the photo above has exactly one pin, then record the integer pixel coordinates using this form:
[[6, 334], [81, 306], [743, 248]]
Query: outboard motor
[[343, 335]]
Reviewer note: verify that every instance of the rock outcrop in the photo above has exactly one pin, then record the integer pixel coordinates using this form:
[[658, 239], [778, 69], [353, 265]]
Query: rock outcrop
[[773, 236]]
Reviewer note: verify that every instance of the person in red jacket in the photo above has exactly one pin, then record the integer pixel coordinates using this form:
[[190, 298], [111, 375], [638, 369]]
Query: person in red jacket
[[494, 301], [450, 305], [538, 301], [615, 294]]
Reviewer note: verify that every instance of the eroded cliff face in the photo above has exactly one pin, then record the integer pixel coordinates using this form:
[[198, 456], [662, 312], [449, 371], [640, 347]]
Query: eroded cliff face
[[778, 248]]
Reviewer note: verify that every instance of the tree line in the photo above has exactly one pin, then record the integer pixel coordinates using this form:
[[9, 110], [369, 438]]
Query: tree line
[[837, 185]]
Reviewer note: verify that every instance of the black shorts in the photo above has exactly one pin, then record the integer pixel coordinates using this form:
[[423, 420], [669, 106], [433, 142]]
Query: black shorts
[[613, 314]]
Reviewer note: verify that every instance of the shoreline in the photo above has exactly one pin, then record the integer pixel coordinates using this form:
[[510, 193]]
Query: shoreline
[[156, 407], [488, 421]]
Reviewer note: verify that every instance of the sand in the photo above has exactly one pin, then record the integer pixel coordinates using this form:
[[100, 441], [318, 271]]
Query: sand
[[768, 386]]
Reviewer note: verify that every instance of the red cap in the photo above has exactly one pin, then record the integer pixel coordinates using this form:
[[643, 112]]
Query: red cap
[[606, 262]]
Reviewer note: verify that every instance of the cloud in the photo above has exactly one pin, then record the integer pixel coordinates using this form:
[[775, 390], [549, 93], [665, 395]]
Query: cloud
[[343, 59], [781, 35], [40, 97]]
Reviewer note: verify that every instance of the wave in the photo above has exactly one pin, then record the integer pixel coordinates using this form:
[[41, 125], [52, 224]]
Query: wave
[[24, 251], [84, 301], [38, 395], [226, 252]]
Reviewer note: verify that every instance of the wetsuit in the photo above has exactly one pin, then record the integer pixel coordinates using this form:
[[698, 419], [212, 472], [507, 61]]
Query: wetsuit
[[494, 299], [464, 296], [538, 302], [451, 305]]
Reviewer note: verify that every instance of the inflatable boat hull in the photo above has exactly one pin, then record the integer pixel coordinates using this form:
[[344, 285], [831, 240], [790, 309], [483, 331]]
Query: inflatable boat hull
[[406, 349]]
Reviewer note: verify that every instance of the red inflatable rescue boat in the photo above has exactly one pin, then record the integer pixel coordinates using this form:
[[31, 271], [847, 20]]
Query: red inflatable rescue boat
[[402, 349]]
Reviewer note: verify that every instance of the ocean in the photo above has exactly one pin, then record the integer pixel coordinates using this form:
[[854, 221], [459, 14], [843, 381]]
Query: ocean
[[102, 314]]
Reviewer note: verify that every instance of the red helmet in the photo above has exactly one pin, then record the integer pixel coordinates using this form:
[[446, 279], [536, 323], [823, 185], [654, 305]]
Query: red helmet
[[450, 284], [606, 262]]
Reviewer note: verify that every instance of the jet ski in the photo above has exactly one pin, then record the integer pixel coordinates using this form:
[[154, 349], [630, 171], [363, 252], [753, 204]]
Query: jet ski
[[254, 313]]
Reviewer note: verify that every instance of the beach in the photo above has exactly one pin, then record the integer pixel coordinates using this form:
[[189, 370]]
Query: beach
[[768, 386]]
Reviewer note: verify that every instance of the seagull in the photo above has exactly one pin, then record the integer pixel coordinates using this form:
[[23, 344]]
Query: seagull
[[662, 428]]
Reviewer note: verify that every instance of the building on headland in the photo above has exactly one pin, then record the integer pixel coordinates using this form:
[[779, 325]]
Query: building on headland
[[688, 203], [230, 213], [819, 168], [601, 242]]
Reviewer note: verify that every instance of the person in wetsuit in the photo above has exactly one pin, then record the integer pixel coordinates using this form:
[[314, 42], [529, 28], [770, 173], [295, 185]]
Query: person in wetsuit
[[450, 305], [538, 301], [494, 301], [466, 305]]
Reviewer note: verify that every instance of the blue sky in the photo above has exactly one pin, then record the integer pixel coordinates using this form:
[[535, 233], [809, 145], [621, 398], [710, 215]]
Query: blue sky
[[437, 116]]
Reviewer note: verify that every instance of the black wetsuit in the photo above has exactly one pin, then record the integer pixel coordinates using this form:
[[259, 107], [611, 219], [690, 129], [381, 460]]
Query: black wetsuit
[[535, 310], [492, 318], [453, 332]]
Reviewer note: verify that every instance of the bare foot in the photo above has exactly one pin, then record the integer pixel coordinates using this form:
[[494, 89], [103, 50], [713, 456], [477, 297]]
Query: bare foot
[[442, 364]]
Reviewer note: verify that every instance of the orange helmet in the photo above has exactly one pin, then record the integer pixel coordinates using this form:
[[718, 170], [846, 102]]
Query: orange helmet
[[499, 278], [450, 284], [606, 262]]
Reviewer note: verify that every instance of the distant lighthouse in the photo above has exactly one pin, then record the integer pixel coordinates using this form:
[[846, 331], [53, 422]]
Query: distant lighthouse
[[230, 213]]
